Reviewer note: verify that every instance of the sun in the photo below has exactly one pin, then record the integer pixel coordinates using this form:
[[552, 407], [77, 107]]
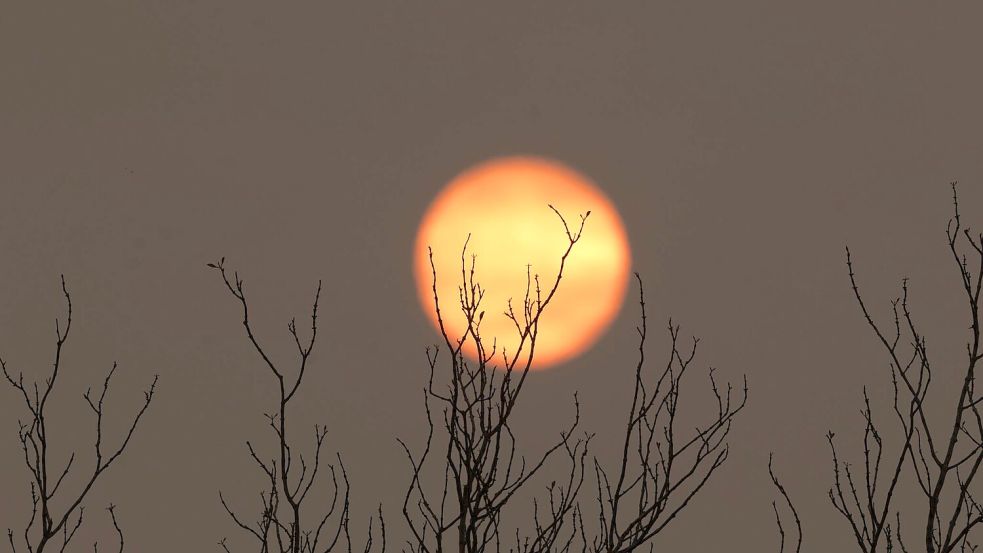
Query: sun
[[504, 205]]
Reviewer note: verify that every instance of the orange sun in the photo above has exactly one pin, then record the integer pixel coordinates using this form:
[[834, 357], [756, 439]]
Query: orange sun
[[504, 205]]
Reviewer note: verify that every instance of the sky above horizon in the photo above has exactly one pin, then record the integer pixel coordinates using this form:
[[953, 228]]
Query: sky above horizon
[[744, 146]]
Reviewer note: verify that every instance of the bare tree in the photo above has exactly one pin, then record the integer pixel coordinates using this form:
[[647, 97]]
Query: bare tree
[[50, 526], [280, 526], [482, 471], [941, 458], [660, 469]]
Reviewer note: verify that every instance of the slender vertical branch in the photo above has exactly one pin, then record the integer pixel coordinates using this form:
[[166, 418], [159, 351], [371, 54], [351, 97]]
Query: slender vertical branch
[[789, 506]]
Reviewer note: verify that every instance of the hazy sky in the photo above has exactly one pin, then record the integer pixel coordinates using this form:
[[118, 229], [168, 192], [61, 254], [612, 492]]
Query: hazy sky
[[744, 143]]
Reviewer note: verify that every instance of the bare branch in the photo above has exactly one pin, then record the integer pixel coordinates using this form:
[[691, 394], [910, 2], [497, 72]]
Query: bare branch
[[46, 523], [280, 525]]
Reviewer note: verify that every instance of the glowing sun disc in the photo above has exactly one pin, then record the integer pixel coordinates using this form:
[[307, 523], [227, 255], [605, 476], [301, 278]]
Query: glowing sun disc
[[504, 205]]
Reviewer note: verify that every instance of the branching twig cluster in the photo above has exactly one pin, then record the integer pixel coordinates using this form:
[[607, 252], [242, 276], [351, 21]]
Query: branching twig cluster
[[482, 470], [943, 458], [661, 469], [49, 526], [280, 526]]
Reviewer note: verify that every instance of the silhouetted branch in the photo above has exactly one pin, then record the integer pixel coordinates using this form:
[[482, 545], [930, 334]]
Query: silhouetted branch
[[943, 459], [47, 524], [482, 470], [660, 471], [778, 516], [280, 524], [119, 531]]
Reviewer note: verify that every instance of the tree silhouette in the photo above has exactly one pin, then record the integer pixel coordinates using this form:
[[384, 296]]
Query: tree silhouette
[[280, 526], [659, 473], [942, 459], [482, 470], [660, 470], [50, 526]]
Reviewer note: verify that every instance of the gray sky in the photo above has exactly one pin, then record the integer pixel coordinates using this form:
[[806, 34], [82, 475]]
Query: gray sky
[[745, 145]]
